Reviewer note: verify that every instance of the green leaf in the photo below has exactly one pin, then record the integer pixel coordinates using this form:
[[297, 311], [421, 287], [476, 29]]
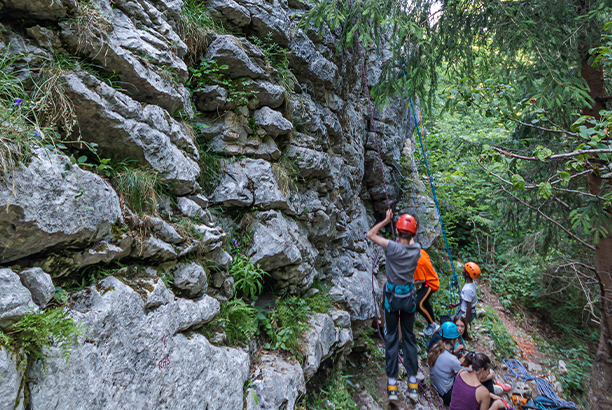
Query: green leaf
[[518, 182], [545, 190], [82, 159], [564, 176]]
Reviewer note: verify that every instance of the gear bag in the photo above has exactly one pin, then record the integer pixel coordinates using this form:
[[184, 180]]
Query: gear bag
[[400, 297]]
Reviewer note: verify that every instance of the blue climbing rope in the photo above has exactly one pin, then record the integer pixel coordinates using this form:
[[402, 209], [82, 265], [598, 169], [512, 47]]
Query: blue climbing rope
[[516, 371], [454, 286]]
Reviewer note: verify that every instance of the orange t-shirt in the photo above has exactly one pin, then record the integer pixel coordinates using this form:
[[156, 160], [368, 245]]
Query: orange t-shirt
[[425, 271]]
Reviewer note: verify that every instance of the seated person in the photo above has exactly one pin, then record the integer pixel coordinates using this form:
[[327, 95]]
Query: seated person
[[468, 393], [443, 365]]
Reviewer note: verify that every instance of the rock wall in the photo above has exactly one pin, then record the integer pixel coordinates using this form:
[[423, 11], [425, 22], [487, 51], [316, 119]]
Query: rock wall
[[298, 173]]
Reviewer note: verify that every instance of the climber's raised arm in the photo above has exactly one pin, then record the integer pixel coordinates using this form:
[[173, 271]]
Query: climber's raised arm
[[373, 233]]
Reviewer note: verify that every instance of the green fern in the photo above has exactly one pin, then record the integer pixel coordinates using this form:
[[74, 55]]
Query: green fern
[[237, 319], [36, 332]]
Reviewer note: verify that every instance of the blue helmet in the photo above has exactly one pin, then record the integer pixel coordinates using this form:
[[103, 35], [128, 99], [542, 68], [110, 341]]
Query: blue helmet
[[449, 330]]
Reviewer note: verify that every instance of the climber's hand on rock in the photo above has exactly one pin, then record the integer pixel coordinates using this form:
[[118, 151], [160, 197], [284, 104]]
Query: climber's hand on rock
[[389, 216]]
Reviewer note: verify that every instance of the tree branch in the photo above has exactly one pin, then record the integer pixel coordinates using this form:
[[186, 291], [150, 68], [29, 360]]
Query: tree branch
[[548, 218], [573, 134], [556, 156]]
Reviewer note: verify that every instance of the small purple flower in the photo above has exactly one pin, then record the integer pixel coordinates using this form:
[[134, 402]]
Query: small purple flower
[[17, 102], [36, 133], [235, 242], [229, 233]]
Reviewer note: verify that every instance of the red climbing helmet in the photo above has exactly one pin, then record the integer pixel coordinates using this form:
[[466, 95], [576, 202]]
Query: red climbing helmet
[[407, 224], [472, 269]]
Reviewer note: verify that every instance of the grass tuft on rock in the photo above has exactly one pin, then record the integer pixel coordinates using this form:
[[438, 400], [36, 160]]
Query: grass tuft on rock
[[195, 28], [139, 187]]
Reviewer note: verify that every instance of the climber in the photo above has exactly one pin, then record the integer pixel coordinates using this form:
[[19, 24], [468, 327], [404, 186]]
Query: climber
[[468, 391], [399, 301], [426, 274], [443, 365], [469, 295]]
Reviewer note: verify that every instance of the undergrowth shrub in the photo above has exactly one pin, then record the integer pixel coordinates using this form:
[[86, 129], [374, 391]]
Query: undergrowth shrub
[[335, 393], [211, 167], [285, 324], [39, 331], [248, 278], [238, 320], [92, 27], [287, 174]]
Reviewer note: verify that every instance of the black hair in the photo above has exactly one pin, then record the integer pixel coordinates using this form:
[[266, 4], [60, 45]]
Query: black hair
[[405, 235], [444, 319], [479, 361]]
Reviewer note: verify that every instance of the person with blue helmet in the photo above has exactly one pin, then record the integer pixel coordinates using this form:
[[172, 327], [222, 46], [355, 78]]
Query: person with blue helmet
[[443, 365]]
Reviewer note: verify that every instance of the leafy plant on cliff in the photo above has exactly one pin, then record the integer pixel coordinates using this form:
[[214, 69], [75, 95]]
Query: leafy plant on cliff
[[248, 278], [210, 73], [36, 332], [278, 58]]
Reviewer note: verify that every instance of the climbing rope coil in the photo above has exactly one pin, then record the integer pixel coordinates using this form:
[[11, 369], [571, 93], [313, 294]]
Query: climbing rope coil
[[517, 371]]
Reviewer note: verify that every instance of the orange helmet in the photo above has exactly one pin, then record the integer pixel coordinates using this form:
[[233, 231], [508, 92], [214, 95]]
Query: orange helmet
[[406, 223], [472, 269]]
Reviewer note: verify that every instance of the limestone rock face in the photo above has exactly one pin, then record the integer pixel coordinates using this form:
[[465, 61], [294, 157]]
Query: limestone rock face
[[320, 337], [132, 358], [228, 135], [119, 125], [39, 284], [140, 46], [277, 383], [11, 370], [54, 204], [251, 183], [281, 247], [190, 277], [242, 58], [15, 299], [272, 122], [41, 9]]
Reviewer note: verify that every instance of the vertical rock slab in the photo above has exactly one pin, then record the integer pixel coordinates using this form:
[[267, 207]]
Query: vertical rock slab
[[121, 126], [53, 203], [11, 370], [134, 358]]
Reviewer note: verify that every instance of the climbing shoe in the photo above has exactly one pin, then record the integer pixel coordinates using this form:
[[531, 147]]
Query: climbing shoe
[[431, 329], [413, 391], [392, 392]]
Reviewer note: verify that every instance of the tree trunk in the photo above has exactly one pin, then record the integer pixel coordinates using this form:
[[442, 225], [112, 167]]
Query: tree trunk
[[600, 389]]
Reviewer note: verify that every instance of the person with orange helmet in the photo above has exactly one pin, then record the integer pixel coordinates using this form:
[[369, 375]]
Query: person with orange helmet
[[400, 301], [469, 293]]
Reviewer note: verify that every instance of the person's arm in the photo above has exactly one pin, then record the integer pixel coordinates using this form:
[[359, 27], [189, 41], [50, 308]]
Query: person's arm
[[468, 313], [373, 233], [482, 396], [491, 375]]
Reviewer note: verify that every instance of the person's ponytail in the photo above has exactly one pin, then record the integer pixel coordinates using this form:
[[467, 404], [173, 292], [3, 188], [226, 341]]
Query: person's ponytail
[[435, 352]]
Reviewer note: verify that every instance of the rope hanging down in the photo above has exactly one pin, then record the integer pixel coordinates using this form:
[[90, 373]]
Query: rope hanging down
[[454, 287]]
